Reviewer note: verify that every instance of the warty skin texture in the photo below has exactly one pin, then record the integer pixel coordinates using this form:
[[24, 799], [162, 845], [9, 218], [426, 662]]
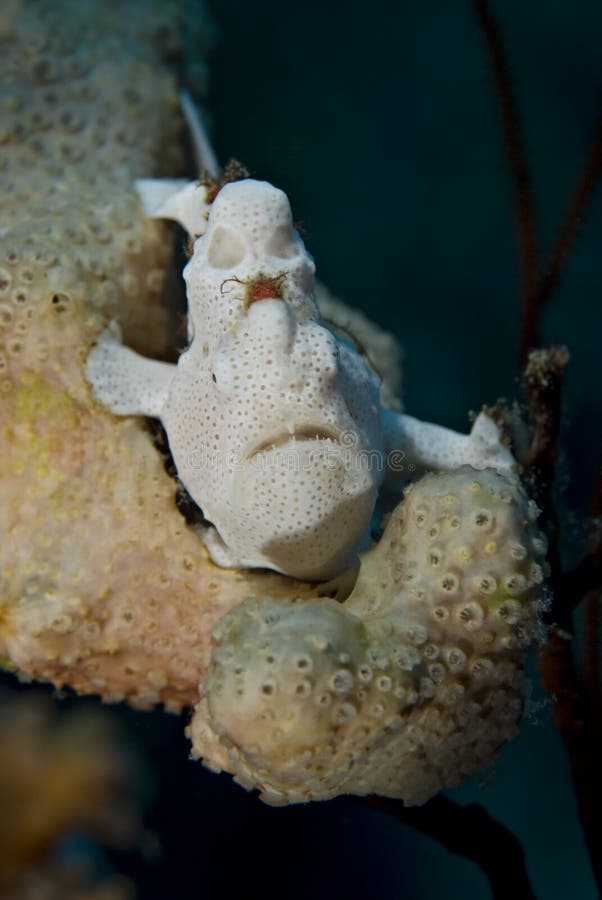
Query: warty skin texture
[[270, 419], [274, 422], [105, 588]]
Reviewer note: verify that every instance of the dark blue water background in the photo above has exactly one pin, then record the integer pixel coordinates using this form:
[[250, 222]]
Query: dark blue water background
[[380, 122]]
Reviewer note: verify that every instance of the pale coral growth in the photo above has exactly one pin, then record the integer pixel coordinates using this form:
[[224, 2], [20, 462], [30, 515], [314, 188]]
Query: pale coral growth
[[104, 586], [412, 683], [58, 776], [59, 884], [87, 599], [79, 115]]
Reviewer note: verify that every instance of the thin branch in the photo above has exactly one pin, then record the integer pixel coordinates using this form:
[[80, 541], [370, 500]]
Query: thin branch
[[471, 832], [577, 206], [584, 579], [593, 694], [593, 593], [542, 383], [579, 732], [529, 265], [576, 721], [576, 705], [535, 291]]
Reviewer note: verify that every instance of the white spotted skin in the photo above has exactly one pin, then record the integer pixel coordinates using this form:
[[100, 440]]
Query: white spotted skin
[[269, 373], [250, 232], [274, 423]]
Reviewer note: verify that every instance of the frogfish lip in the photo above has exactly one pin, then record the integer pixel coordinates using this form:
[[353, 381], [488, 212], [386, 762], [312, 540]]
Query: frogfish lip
[[300, 433]]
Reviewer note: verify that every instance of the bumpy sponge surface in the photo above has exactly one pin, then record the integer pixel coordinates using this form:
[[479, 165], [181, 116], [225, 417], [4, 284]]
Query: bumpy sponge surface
[[85, 107], [412, 683], [103, 587]]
